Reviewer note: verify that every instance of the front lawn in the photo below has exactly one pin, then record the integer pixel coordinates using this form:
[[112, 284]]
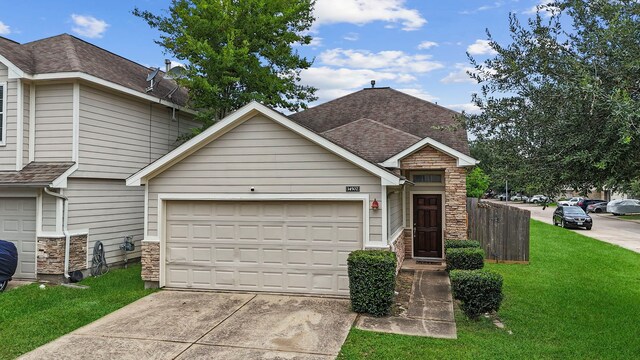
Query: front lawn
[[30, 316], [630, 217], [579, 298]]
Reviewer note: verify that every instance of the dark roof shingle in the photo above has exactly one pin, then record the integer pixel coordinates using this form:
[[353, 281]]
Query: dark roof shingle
[[67, 53], [399, 112], [35, 174]]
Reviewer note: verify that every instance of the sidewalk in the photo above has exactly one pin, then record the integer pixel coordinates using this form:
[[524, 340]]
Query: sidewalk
[[430, 311]]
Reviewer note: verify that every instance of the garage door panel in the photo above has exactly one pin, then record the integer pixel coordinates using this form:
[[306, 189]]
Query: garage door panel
[[17, 225], [262, 246]]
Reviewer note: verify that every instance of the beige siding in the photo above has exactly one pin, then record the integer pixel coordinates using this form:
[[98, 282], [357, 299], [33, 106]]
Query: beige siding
[[394, 209], [49, 208], [110, 211], [8, 151], [54, 123], [120, 135], [262, 154]]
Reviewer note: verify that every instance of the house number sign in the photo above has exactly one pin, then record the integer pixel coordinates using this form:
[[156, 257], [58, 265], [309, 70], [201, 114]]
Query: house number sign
[[353, 188]]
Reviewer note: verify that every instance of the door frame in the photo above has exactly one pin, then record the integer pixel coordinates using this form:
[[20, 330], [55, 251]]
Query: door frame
[[444, 224], [164, 197]]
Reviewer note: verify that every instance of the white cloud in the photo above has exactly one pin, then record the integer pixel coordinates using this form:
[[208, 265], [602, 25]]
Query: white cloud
[[4, 29], [387, 60], [427, 45], [88, 26], [544, 9], [352, 36], [481, 47], [361, 12], [316, 41], [469, 108], [486, 7], [335, 82], [419, 93], [459, 75]]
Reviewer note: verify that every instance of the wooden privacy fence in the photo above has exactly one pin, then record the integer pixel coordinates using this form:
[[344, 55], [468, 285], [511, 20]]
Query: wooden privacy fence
[[502, 230]]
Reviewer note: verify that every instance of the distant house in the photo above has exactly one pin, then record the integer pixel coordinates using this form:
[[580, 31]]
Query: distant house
[[265, 202], [76, 121]]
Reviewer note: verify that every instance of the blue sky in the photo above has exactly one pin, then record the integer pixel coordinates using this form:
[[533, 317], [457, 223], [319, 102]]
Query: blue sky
[[417, 46]]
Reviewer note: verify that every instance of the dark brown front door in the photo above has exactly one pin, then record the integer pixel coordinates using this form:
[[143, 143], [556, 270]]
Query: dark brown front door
[[427, 226]]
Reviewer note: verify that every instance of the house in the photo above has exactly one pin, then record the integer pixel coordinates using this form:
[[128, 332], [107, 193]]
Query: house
[[76, 121], [265, 202]]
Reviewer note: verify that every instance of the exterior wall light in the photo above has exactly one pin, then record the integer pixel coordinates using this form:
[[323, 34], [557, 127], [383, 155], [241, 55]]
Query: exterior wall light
[[375, 205]]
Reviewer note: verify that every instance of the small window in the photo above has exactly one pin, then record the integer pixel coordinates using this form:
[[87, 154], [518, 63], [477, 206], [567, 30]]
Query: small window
[[427, 178], [3, 118]]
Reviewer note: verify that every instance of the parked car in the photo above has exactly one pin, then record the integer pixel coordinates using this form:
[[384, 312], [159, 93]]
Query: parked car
[[597, 207], [8, 262], [623, 207], [572, 216], [519, 197], [535, 199], [502, 197], [586, 202], [571, 202]]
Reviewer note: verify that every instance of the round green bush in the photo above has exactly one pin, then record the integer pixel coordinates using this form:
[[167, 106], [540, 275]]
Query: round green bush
[[464, 258], [479, 291], [372, 280]]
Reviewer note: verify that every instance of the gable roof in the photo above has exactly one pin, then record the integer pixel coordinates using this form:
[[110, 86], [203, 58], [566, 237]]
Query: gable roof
[[68, 54], [396, 110], [381, 140], [238, 117]]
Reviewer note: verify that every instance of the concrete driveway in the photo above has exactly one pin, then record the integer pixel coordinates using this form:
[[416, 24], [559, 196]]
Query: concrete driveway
[[606, 227], [210, 325]]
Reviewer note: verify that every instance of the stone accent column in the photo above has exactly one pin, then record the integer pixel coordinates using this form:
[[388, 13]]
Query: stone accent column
[[408, 244], [150, 263], [398, 247], [51, 254], [456, 203]]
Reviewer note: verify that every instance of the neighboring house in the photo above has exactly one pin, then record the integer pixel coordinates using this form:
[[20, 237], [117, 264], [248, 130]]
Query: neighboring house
[[76, 121], [265, 202]]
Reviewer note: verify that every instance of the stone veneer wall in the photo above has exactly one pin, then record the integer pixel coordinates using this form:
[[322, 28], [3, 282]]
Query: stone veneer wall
[[408, 244], [150, 260], [398, 246], [51, 254], [455, 181]]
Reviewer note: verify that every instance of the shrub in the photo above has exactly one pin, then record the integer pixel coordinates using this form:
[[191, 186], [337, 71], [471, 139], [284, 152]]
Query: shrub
[[457, 244], [464, 258], [479, 291], [372, 279]]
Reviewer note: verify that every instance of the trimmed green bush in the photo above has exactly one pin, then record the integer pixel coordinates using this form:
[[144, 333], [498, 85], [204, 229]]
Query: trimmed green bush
[[464, 258], [479, 291], [372, 280], [457, 244]]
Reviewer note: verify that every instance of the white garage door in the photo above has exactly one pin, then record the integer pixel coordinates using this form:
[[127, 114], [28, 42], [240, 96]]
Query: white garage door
[[299, 247], [18, 225]]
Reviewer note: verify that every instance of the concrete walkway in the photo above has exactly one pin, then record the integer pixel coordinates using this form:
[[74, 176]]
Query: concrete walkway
[[430, 311]]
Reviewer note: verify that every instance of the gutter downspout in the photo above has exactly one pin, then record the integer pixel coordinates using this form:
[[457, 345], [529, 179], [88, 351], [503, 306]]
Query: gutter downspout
[[65, 231]]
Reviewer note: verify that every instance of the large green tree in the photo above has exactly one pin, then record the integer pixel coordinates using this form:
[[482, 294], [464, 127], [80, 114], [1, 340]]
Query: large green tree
[[561, 103], [237, 51]]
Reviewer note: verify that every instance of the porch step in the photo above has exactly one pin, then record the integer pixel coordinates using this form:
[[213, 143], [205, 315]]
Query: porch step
[[413, 265]]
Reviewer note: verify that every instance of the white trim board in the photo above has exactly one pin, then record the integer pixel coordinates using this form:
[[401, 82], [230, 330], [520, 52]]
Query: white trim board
[[238, 117], [462, 159], [3, 117], [19, 123], [443, 215], [164, 197]]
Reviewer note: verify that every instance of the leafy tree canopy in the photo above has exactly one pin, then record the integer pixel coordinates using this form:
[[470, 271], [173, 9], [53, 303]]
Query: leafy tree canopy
[[561, 103], [238, 51]]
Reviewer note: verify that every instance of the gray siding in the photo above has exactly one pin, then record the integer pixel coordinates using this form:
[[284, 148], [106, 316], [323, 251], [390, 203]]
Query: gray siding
[[48, 213], [54, 122], [120, 135], [8, 151], [269, 157], [110, 210], [394, 211]]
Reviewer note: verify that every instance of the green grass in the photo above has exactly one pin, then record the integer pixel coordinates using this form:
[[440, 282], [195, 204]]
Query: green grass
[[579, 298], [630, 217], [30, 316]]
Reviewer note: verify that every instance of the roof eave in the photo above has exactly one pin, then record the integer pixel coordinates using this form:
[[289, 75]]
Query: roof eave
[[462, 160]]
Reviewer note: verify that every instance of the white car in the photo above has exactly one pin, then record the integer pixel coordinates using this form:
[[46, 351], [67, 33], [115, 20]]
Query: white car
[[622, 207], [537, 199], [571, 202], [519, 198]]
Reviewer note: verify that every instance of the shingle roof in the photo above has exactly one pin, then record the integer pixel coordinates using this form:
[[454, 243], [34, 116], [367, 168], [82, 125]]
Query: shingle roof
[[397, 111], [381, 140], [67, 53], [35, 174]]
